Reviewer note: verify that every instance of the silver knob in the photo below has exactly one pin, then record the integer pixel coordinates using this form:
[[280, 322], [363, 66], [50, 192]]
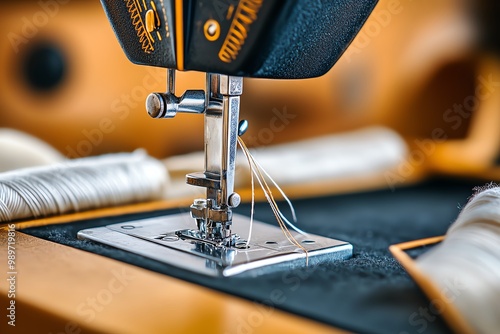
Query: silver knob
[[155, 105], [167, 105]]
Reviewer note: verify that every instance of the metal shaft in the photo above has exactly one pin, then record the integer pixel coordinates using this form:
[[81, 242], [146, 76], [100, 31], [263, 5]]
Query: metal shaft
[[221, 135], [221, 106]]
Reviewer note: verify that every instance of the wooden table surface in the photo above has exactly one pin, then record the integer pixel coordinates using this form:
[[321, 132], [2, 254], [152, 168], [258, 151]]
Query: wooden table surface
[[60, 289]]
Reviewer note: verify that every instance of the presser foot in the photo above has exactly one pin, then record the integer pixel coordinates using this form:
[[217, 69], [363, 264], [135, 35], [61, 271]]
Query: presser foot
[[173, 240]]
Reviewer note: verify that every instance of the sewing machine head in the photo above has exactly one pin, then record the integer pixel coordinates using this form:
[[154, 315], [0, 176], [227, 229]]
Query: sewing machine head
[[229, 40]]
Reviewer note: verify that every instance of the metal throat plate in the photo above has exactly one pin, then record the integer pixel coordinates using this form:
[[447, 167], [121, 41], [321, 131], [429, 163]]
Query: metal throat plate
[[268, 250]]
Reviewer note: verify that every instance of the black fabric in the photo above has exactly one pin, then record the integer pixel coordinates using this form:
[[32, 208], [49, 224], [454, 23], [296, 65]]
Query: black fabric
[[369, 293]]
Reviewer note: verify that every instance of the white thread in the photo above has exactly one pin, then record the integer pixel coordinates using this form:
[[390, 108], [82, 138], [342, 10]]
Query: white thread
[[252, 208], [80, 184], [285, 197], [259, 173], [466, 265]]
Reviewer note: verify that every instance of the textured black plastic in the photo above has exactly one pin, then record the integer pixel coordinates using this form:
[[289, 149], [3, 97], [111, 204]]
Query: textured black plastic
[[281, 39], [203, 55], [127, 18], [310, 36]]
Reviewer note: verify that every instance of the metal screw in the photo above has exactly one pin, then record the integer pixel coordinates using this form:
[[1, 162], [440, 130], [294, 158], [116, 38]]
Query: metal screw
[[200, 203], [241, 245], [211, 30], [170, 238], [128, 227], [234, 200]]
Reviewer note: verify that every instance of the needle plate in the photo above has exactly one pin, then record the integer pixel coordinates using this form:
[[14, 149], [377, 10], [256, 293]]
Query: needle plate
[[171, 239]]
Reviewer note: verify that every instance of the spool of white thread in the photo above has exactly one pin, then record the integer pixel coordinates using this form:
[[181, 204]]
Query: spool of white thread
[[21, 150], [81, 184], [466, 265]]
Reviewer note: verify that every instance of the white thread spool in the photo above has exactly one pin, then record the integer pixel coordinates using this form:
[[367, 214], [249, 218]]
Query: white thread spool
[[21, 150], [81, 184], [466, 265]]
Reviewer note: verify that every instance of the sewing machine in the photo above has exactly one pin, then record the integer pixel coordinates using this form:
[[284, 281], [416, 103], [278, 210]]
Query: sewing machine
[[251, 38], [72, 286]]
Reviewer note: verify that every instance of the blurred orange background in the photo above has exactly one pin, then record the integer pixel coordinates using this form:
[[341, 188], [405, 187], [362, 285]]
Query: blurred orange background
[[415, 68]]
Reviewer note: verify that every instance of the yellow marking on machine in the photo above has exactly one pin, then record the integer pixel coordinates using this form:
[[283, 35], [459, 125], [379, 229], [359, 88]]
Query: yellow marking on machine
[[145, 38], [246, 14]]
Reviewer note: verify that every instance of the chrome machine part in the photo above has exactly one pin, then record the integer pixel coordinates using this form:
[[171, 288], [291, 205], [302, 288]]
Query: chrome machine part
[[221, 138], [167, 105], [210, 244], [169, 239], [221, 106], [256, 35]]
